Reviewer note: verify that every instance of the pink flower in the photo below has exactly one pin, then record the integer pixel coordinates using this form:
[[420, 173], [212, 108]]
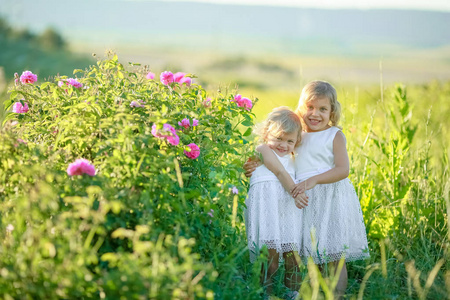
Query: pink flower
[[237, 98], [235, 190], [20, 141], [194, 122], [28, 77], [181, 78], [61, 83], [136, 104], [211, 213], [18, 108], [185, 123], [186, 80], [150, 75], [167, 132], [81, 166], [74, 82], [178, 76], [207, 102], [245, 103], [166, 77], [194, 151]]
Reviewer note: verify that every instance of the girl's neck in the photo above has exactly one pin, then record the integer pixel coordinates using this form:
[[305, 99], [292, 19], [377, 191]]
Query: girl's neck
[[311, 131]]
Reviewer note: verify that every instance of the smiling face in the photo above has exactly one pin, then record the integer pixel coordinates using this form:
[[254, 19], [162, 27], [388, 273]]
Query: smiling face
[[282, 144], [317, 114]]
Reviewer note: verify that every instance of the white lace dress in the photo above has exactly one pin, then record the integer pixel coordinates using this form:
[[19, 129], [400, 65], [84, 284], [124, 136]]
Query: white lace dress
[[271, 217], [333, 224]]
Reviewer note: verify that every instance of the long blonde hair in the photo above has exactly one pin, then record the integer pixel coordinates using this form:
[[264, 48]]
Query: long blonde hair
[[318, 89], [281, 120]]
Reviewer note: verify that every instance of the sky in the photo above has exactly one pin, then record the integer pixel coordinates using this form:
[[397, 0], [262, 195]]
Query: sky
[[436, 5]]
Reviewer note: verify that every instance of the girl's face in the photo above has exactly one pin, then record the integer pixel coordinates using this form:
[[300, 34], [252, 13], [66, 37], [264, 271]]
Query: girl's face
[[317, 115], [282, 144]]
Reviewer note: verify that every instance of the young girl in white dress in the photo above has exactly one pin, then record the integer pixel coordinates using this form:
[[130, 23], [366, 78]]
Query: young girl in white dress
[[332, 226], [272, 218]]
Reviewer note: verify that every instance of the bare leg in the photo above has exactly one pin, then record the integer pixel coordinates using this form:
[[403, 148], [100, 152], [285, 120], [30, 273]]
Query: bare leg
[[341, 286], [292, 278], [272, 267]]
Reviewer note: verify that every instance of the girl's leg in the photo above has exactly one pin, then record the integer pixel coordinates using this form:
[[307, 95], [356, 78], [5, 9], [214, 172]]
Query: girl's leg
[[292, 278], [272, 267], [341, 286]]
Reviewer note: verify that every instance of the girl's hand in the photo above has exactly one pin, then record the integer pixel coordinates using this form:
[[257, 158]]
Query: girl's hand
[[250, 165], [301, 201], [303, 186]]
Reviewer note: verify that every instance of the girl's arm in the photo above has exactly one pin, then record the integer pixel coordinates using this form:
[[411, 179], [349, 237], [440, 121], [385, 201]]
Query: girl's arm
[[274, 165], [250, 166], [339, 172]]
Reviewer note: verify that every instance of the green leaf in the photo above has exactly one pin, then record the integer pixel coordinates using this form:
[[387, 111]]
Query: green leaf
[[247, 123], [248, 132]]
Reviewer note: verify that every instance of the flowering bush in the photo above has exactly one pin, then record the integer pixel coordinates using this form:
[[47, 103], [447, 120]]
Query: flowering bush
[[142, 226]]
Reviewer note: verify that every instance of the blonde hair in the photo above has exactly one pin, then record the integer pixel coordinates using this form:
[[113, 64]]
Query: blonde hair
[[280, 121], [317, 89]]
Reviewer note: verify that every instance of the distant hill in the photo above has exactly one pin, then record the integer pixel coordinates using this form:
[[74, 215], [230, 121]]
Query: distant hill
[[232, 28]]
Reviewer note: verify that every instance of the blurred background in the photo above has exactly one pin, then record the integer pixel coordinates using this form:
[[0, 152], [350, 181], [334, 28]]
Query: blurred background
[[268, 49]]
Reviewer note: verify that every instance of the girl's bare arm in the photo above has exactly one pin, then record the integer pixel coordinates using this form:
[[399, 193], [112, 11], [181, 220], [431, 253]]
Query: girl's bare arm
[[275, 166]]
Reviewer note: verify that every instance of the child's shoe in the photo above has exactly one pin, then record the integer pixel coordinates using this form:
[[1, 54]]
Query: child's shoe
[[292, 295]]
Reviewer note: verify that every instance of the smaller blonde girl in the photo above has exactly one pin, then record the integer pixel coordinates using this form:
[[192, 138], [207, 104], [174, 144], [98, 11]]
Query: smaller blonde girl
[[272, 218]]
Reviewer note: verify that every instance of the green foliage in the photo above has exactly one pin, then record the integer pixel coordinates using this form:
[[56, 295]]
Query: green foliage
[[152, 222]]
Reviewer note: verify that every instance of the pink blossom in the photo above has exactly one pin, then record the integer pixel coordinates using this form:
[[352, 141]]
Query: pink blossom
[[136, 104], [178, 76], [186, 80], [194, 153], [28, 77], [181, 78], [166, 77], [235, 190], [211, 213], [19, 108], [61, 83], [20, 141], [194, 122], [237, 98], [150, 75], [207, 102], [74, 82], [167, 132], [81, 166], [185, 123], [245, 103]]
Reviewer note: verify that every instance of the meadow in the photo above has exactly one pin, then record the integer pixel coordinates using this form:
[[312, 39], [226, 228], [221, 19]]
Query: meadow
[[154, 223]]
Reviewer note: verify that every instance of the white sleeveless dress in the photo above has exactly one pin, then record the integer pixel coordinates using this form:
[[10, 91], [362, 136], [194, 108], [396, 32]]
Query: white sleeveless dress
[[333, 224], [271, 217]]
